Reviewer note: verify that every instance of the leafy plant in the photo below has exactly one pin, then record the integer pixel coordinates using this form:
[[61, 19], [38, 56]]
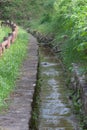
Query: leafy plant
[[4, 32]]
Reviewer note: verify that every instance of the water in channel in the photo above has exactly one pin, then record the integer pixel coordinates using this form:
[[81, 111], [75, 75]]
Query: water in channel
[[55, 109]]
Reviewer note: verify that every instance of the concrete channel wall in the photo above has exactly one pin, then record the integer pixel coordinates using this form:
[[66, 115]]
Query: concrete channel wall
[[79, 83]]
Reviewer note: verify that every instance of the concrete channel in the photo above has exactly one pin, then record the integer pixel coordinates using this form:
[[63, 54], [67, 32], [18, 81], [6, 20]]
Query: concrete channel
[[55, 109]]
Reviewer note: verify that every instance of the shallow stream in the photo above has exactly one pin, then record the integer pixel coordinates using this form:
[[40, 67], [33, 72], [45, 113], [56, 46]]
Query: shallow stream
[[55, 109]]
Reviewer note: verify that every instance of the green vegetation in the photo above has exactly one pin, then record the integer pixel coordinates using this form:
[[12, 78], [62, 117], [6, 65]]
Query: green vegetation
[[4, 32], [67, 21], [78, 108], [9, 65], [20, 11]]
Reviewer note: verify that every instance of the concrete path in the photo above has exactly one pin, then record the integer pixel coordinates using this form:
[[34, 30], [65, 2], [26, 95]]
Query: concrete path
[[19, 113]]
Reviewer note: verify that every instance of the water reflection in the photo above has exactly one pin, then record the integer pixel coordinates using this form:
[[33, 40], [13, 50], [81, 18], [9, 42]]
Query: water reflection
[[55, 114], [47, 64], [51, 72]]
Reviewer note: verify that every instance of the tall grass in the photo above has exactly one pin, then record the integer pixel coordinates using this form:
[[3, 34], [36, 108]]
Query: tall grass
[[9, 65], [4, 32]]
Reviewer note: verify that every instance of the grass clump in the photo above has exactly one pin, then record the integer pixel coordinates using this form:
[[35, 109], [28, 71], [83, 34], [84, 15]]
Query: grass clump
[[9, 65], [4, 32]]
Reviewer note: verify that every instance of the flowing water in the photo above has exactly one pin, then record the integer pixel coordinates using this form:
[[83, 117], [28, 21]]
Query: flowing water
[[55, 109]]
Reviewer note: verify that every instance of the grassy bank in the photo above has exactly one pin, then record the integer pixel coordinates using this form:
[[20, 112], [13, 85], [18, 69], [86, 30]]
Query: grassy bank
[[9, 65], [4, 32]]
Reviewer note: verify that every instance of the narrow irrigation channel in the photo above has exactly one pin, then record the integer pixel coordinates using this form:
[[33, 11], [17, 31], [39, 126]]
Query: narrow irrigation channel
[[55, 109], [51, 106]]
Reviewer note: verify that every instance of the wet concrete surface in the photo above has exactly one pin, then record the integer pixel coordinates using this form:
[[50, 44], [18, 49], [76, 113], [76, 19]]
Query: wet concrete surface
[[55, 109]]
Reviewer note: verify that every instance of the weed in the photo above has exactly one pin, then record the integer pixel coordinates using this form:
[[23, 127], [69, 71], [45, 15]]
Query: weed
[[4, 32]]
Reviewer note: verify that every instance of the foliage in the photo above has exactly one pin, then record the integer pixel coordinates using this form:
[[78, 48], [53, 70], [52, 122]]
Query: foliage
[[67, 19], [4, 32], [21, 11], [9, 65], [73, 23]]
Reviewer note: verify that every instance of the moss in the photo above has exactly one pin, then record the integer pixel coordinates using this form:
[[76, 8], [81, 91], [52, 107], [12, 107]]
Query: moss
[[34, 121]]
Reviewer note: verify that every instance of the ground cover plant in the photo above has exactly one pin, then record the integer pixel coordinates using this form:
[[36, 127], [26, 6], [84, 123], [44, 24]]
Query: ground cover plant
[[4, 32], [9, 65]]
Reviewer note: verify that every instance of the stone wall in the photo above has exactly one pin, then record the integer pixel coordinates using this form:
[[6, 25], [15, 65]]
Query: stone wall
[[79, 83]]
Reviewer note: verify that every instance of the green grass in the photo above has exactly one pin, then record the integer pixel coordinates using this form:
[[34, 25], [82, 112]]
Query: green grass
[[4, 32], [9, 65]]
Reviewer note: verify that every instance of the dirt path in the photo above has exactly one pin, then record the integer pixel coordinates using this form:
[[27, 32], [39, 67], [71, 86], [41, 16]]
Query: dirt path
[[19, 113]]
